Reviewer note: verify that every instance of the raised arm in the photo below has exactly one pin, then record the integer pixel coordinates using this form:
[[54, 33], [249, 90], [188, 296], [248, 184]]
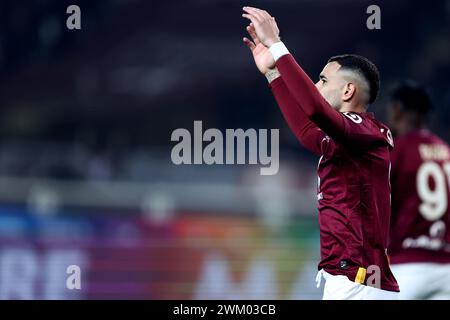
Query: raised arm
[[302, 89], [309, 135], [306, 131]]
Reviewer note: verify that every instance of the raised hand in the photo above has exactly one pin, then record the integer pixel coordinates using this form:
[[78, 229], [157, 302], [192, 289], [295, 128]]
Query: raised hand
[[265, 25], [263, 58]]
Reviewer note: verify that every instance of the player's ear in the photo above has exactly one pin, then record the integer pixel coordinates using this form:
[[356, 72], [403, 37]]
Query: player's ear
[[348, 91]]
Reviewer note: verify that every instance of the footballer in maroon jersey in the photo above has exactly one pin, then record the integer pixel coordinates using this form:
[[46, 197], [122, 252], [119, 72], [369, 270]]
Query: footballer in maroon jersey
[[330, 119], [419, 243]]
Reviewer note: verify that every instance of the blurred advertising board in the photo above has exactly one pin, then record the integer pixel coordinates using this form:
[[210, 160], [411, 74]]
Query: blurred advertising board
[[128, 256]]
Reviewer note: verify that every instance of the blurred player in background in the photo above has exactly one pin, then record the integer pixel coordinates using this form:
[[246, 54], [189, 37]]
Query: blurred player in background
[[329, 118], [419, 239]]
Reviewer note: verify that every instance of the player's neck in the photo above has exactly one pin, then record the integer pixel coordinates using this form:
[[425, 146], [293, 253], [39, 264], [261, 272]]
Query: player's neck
[[353, 108]]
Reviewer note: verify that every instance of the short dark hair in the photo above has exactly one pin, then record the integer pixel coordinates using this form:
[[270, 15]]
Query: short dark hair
[[413, 97], [365, 67]]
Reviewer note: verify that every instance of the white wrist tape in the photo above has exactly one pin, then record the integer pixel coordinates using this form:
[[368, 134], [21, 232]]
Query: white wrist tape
[[278, 50]]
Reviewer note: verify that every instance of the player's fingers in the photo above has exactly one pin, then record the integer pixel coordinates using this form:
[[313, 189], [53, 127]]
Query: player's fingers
[[251, 31], [250, 17], [261, 14], [249, 44], [274, 24], [265, 14], [254, 13]]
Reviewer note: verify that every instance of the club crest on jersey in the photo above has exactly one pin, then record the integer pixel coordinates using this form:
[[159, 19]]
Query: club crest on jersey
[[353, 116]]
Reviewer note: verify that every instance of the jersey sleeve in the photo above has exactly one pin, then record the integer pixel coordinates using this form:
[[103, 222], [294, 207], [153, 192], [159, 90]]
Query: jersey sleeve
[[306, 131]]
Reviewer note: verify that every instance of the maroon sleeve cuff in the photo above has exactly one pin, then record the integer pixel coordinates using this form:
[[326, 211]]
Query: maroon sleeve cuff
[[276, 83]]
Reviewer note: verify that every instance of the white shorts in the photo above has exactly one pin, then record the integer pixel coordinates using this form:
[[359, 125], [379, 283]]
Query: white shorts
[[341, 288], [423, 280]]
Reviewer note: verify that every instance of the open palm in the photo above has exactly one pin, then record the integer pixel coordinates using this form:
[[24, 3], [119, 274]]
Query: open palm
[[261, 54]]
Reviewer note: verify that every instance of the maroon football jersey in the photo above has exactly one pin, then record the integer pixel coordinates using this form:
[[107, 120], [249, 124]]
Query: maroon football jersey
[[354, 200], [354, 188], [420, 199]]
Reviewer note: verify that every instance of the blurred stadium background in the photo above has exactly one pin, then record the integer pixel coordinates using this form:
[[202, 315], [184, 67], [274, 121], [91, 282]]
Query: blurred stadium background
[[86, 118]]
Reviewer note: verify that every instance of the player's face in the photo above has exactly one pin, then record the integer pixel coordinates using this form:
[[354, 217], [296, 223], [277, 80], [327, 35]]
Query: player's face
[[331, 84]]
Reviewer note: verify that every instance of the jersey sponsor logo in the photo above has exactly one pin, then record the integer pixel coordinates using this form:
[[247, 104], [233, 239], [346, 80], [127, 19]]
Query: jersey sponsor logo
[[433, 241], [353, 116]]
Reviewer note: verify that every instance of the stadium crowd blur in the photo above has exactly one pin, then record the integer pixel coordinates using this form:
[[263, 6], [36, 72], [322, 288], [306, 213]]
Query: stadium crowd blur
[[99, 104]]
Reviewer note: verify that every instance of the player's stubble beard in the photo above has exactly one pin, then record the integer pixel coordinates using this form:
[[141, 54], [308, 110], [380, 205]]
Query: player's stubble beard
[[333, 98]]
